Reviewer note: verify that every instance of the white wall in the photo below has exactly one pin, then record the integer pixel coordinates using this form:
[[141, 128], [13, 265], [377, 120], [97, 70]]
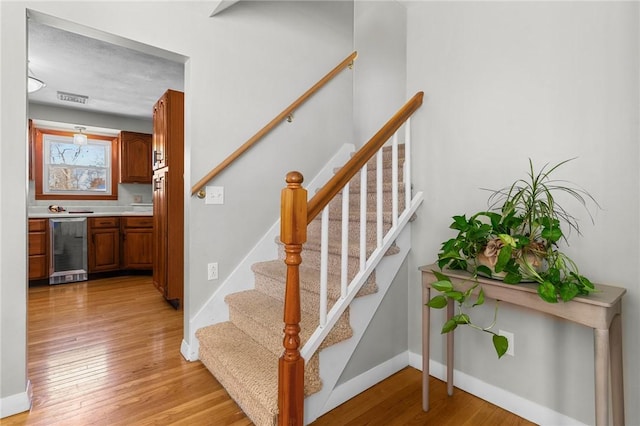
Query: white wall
[[379, 91], [380, 71], [244, 66], [505, 82], [13, 210]]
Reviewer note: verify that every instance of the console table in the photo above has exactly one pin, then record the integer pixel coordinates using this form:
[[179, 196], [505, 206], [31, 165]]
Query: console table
[[601, 311]]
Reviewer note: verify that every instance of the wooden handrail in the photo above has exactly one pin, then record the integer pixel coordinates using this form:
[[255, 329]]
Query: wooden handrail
[[364, 154], [273, 123]]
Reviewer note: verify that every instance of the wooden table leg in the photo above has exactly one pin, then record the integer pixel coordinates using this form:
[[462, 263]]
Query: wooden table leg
[[617, 384], [601, 346], [450, 310], [426, 293]]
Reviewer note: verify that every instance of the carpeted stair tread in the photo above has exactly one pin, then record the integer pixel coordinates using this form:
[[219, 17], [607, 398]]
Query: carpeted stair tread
[[335, 247], [270, 279], [247, 371], [260, 316]]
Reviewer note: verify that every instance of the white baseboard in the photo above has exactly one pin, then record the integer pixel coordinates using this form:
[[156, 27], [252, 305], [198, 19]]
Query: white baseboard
[[14, 404], [516, 404], [347, 390]]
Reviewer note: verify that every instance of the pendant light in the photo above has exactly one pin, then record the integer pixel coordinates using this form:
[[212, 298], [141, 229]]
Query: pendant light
[[80, 138], [33, 84]]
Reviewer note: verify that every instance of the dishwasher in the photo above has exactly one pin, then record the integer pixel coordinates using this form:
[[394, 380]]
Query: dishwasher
[[68, 251]]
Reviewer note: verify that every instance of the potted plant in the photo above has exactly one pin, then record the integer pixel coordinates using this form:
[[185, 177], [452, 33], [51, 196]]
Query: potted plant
[[515, 240]]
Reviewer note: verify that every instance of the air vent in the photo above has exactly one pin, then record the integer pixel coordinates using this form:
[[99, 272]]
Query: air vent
[[72, 97]]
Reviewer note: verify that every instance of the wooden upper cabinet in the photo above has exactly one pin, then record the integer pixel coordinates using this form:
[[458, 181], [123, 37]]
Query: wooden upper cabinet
[[168, 131], [135, 157], [159, 156]]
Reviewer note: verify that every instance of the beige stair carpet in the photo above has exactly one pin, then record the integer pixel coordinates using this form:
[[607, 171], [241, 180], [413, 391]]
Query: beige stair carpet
[[243, 352]]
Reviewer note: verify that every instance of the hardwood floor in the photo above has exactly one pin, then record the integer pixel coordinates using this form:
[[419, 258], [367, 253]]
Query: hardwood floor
[[106, 352]]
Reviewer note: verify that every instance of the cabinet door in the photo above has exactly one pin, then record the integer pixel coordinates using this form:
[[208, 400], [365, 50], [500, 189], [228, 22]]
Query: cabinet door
[[38, 249], [104, 250], [160, 251], [135, 157], [137, 245]]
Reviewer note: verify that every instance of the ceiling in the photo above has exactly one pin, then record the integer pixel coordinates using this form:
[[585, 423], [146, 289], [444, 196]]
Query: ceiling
[[116, 80]]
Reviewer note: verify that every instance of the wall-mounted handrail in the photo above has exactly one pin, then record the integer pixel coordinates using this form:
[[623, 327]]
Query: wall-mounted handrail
[[295, 214], [348, 61], [364, 154]]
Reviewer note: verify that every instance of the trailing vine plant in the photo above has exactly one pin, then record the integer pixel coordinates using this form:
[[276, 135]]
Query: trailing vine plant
[[515, 240]]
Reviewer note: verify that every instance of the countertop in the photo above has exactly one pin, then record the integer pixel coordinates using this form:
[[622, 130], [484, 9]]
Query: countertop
[[133, 209], [86, 214]]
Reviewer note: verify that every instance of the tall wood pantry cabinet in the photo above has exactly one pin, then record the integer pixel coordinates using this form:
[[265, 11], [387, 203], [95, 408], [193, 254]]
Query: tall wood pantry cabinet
[[168, 196]]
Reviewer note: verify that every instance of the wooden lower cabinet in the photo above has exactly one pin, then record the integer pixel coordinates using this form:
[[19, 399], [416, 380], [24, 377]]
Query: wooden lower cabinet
[[38, 249], [104, 244], [137, 242]]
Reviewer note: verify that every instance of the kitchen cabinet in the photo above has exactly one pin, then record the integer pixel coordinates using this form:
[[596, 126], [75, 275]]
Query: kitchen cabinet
[[135, 157], [168, 196], [104, 244], [137, 242], [38, 249]]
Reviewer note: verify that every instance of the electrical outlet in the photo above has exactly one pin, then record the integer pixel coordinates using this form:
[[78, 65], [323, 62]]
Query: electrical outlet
[[212, 271], [511, 339]]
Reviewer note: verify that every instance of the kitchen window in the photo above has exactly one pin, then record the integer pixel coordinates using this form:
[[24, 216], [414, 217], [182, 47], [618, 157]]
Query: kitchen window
[[66, 171]]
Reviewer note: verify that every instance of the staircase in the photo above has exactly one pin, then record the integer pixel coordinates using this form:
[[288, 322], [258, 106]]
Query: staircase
[[243, 352]]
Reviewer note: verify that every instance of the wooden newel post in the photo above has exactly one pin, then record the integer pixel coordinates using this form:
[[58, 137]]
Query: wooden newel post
[[293, 233]]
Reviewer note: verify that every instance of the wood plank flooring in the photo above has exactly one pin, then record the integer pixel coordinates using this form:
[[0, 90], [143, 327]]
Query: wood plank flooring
[[107, 352]]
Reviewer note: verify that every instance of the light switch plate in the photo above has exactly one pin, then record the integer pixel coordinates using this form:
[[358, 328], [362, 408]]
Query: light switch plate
[[215, 195]]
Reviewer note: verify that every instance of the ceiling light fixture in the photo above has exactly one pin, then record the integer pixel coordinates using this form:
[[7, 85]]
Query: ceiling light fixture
[[33, 84], [80, 138]]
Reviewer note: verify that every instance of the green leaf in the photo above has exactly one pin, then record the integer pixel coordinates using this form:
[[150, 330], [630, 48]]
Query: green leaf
[[503, 258], [461, 319], [501, 344], [440, 276], [459, 223], [443, 286], [455, 295], [470, 290], [484, 270], [568, 291], [448, 326], [437, 302], [551, 234], [547, 292], [480, 299], [507, 240], [512, 278]]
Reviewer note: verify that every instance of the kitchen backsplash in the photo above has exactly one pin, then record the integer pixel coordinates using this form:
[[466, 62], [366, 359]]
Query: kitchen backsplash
[[128, 194]]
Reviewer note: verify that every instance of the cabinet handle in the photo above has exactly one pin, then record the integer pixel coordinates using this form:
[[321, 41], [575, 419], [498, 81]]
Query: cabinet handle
[[157, 156], [157, 184]]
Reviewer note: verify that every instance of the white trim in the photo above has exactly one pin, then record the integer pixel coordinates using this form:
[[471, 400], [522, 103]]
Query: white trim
[[17, 403], [215, 310], [347, 390], [516, 404]]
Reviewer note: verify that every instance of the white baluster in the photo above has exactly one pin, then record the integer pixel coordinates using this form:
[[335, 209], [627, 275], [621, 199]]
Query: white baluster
[[324, 267], [379, 194], [363, 217], [407, 164], [344, 266], [394, 180]]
